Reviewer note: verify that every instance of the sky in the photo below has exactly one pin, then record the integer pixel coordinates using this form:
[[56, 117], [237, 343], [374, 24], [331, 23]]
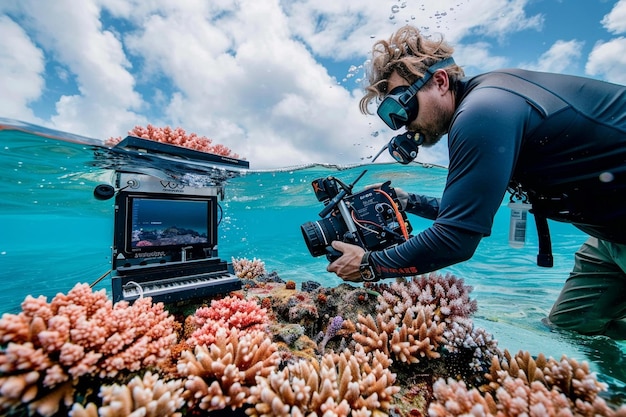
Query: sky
[[276, 81]]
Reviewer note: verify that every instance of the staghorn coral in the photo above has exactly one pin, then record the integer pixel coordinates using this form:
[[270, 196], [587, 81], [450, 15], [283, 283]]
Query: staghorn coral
[[227, 312], [176, 137], [568, 376], [521, 385], [414, 337], [248, 269], [81, 334], [220, 375], [357, 384], [149, 396], [514, 397]]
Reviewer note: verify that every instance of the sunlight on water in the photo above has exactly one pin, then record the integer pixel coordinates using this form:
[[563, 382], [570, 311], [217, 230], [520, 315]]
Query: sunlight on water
[[55, 233]]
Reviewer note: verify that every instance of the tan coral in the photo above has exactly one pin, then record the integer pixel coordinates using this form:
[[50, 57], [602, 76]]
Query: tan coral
[[340, 385], [149, 396], [415, 337], [220, 375], [567, 379]]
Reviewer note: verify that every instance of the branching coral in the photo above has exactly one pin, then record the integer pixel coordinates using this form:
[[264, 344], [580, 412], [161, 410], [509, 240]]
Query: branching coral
[[228, 312], [357, 384], [82, 333], [524, 386], [447, 294], [249, 269], [176, 137], [220, 375], [149, 396], [416, 336]]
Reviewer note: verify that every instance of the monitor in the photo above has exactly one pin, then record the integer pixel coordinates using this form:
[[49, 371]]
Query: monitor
[[163, 228]]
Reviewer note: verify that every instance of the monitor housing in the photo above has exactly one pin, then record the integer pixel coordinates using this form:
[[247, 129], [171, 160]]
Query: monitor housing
[[160, 222]]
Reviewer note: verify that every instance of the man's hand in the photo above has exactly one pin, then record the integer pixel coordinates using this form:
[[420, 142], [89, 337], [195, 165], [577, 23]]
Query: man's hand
[[347, 266]]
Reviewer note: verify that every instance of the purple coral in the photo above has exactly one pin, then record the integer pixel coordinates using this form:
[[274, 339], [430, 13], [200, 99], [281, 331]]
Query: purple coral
[[331, 331]]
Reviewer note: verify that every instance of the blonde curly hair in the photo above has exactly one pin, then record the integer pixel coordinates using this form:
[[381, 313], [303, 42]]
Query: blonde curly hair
[[408, 53]]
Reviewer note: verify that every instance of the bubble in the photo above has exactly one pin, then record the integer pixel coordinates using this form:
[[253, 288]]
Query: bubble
[[395, 8], [606, 177]]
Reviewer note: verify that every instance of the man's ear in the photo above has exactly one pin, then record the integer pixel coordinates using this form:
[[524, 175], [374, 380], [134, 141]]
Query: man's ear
[[441, 80]]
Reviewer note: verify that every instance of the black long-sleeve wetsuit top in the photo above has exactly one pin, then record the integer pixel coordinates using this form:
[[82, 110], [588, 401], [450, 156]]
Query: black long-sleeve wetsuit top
[[561, 138]]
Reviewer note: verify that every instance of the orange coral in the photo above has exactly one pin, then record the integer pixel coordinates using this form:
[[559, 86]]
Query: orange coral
[[176, 137], [81, 333]]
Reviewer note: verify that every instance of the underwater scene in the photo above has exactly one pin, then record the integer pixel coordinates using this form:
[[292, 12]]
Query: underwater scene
[[293, 339]]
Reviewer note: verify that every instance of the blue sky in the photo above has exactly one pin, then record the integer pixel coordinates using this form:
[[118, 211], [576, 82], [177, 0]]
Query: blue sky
[[276, 81]]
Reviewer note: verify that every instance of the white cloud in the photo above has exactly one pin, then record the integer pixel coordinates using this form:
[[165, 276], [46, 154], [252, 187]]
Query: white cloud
[[608, 59], [561, 56], [615, 21], [21, 71], [74, 38]]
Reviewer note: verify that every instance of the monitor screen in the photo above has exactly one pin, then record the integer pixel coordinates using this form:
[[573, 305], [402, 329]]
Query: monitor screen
[[157, 222], [154, 227]]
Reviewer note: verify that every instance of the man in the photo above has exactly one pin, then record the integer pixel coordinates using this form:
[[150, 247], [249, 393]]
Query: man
[[557, 141]]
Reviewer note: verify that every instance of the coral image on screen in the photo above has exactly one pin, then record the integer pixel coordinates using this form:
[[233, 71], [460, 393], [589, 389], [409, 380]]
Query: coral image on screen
[[168, 222]]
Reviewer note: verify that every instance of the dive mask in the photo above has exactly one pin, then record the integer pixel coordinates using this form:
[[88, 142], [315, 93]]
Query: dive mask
[[400, 106]]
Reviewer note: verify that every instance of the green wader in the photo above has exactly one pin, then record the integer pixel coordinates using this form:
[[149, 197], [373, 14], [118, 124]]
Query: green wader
[[593, 300]]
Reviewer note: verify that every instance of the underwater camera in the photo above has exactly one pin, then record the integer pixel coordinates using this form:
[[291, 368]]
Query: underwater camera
[[371, 218]]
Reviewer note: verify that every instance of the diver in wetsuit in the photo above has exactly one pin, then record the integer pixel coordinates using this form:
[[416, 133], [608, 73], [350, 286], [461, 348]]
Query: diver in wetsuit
[[559, 141]]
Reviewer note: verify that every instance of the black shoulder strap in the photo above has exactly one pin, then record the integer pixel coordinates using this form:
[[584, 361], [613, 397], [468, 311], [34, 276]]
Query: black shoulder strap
[[546, 103]]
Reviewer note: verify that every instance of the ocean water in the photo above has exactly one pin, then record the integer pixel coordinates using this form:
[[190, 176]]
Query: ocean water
[[54, 233]]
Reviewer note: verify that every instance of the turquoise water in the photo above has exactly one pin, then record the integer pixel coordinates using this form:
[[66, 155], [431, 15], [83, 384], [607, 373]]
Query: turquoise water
[[55, 233]]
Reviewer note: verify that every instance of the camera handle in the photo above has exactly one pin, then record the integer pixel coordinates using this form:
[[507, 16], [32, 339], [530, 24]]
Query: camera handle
[[337, 201], [345, 189]]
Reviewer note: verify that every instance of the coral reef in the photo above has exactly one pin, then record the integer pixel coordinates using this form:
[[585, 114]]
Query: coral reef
[[177, 137], [408, 348]]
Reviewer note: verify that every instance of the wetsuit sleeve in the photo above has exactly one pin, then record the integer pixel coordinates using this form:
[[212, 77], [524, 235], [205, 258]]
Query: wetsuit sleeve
[[423, 206], [484, 142]]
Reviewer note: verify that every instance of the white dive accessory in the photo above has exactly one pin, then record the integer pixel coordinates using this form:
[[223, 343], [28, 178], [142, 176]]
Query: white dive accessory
[[517, 224]]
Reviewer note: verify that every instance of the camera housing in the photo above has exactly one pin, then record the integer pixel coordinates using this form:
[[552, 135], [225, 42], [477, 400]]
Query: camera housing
[[371, 218]]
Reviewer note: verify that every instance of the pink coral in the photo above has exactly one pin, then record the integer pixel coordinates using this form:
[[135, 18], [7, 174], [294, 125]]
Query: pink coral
[[228, 312], [176, 137], [447, 294], [76, 334]]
